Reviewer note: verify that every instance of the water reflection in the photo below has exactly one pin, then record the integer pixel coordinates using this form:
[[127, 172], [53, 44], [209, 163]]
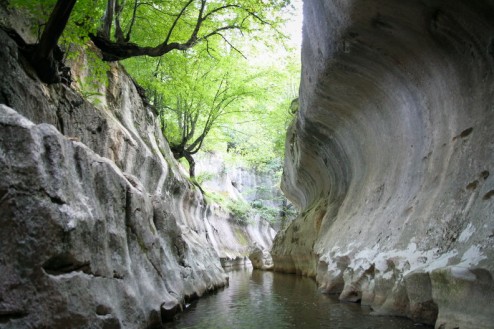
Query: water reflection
[[257, 299]]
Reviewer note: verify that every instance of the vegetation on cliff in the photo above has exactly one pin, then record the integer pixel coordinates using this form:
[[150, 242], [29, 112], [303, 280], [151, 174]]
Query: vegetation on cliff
[[229, 71], [221, 74]]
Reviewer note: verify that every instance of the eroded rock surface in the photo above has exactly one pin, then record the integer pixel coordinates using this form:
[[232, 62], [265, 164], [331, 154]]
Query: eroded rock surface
[[260, 258], [83, 243], [391, 158], [259, 188]]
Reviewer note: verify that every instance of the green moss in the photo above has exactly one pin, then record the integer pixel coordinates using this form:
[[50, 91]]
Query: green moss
[[204, 177], [240, 211], [241, 237]]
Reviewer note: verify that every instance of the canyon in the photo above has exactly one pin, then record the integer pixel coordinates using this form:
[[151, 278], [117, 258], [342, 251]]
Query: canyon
[[389, 161]]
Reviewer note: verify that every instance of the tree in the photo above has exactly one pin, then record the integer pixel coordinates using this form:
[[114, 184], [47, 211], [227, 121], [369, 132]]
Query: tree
[[185, 24], [188, 115], [185, 87], [131, 28], [259, 139], [42, 54], [198, 95]]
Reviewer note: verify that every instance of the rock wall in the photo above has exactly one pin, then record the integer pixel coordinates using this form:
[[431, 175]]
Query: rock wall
[[215, 177], [260, 189], [99, 228], [224, 181], [390, 158]]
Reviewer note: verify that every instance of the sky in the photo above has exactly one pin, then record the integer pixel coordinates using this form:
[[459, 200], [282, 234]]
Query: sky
[[294, 26], [264, 56]]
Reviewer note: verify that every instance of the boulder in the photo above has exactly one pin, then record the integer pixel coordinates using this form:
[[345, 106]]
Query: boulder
[[260, 258]]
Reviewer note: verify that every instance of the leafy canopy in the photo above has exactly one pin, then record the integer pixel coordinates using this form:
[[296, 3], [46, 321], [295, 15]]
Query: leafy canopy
[[232, 82], [242, 104], [225, 82]]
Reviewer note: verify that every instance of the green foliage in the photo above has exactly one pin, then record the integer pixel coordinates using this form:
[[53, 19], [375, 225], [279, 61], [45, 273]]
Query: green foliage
[[259, 139], [270, 214], [84, 19], [39, 11], [74, 41], [238, 84], [92, 83], [89, 91], [241, 211], [257, 96], [157, 20], [218, 198], [261, 80], [204, 177]]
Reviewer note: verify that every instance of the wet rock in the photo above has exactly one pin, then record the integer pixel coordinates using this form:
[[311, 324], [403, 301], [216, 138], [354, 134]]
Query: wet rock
[[423, 308], [463, 296], [169, 310]]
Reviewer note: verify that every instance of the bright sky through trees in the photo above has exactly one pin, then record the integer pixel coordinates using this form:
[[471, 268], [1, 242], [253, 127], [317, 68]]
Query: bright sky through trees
[[293, 27]]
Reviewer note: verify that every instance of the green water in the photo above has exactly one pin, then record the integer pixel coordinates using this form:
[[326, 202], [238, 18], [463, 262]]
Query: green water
[[257, 299]]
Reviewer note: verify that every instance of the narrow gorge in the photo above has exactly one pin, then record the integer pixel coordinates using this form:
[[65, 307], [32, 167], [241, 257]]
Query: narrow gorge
[[389, 160]]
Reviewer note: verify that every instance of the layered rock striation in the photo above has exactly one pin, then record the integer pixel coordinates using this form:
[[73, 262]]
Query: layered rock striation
[[391, 155], [99, 228]]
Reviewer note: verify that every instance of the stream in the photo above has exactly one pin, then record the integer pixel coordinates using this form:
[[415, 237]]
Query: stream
[[258, 299]]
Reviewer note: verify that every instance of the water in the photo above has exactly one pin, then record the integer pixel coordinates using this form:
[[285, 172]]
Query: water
[[257, 299]]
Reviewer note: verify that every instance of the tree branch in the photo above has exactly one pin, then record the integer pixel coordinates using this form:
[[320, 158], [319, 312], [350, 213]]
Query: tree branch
[[132, 21], [119, 36], [106, 20], [170, 31], [226, 40], [114, 51]]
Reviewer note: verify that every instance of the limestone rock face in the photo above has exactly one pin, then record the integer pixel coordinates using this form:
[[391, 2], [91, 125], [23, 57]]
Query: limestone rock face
[[239, 182], [260, 258], [232, 239], [390, 158], [82, 242], [233, 244], [99, 228]]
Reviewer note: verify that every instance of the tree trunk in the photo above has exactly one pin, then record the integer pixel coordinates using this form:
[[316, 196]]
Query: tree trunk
[[119, 36], [192, 165], [115, 51], [42, 57], [180, 152], [106, 21]]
